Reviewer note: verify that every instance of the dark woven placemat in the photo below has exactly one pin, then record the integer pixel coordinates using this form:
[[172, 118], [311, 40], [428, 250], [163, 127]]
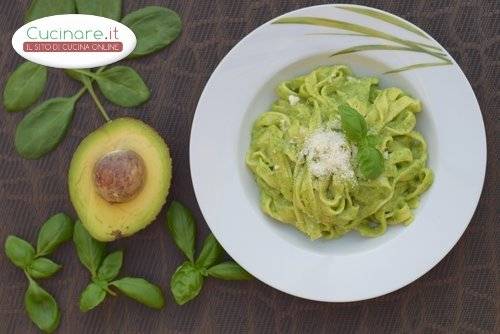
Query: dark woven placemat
[[460, 295]]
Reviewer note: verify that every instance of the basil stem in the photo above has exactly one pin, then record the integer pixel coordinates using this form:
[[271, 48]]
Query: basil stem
[[88, 84]]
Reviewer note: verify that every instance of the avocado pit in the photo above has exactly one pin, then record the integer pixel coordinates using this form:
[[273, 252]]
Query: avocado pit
[[119, 175]]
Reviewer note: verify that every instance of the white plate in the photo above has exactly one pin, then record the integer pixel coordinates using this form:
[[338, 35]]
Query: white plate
[[351, 268]]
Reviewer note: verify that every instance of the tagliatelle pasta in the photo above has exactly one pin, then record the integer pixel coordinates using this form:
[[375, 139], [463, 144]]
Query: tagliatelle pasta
[[328, 206]]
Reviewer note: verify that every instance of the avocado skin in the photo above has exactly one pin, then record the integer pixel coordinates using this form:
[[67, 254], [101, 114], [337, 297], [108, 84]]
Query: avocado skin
[[109, 221]]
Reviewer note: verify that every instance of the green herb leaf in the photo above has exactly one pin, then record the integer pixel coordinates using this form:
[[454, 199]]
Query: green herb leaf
[[380, 47], [154, 27], [44, 127], [56, 230], [211, 252], [24, 86], [84, 76], [353, 123], [75, 75], [389, 18], [359, 29], [19, 251], [41, 307], [141, 290], [371, 162], [107, 8], [43, 8], [90, 251], [110, 267], [123, 86], [42, 268], [371, 140], [186, 283], [182, 227], [415, 66], [229, 271], [92, 296]]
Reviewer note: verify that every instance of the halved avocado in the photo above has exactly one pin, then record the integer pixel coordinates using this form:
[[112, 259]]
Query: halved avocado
[[119, 178]]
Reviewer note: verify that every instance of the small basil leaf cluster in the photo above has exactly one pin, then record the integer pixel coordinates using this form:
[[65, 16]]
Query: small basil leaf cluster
[[46, 125], [370, 160], [104, 269], [39, 304], [187, 280]]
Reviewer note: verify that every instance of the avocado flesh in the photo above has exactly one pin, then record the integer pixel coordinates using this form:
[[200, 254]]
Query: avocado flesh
[[108, 221]]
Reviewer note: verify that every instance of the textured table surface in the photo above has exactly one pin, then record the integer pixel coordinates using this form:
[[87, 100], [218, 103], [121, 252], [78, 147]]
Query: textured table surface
[[460, 295]]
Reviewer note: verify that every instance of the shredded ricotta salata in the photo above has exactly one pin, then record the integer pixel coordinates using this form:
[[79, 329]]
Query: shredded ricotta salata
[[328, 153]]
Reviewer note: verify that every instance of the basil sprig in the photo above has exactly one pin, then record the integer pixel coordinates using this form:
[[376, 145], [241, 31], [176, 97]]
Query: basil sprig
[[44, 127], [121, 85], [103, 271], [187, 281], [370, 160], [40, 306]]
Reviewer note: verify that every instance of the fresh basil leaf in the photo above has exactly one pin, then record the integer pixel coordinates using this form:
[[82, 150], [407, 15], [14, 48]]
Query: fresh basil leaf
[[182, 227], [110, 267], [353, 123], [90, 251], [42, 268], [229, 271], [19, 251], [211, 252], [123, 86], [371, 140], [24, 86], [154, 27], [56, 230], [41, 307], [43, 8], [44, 127], [186, 283], [92, 296], [371, 162], [107, 8], [140, 290]]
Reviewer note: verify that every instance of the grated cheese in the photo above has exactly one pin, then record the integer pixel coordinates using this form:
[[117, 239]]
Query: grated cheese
[[293, 99], [328, 153]]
